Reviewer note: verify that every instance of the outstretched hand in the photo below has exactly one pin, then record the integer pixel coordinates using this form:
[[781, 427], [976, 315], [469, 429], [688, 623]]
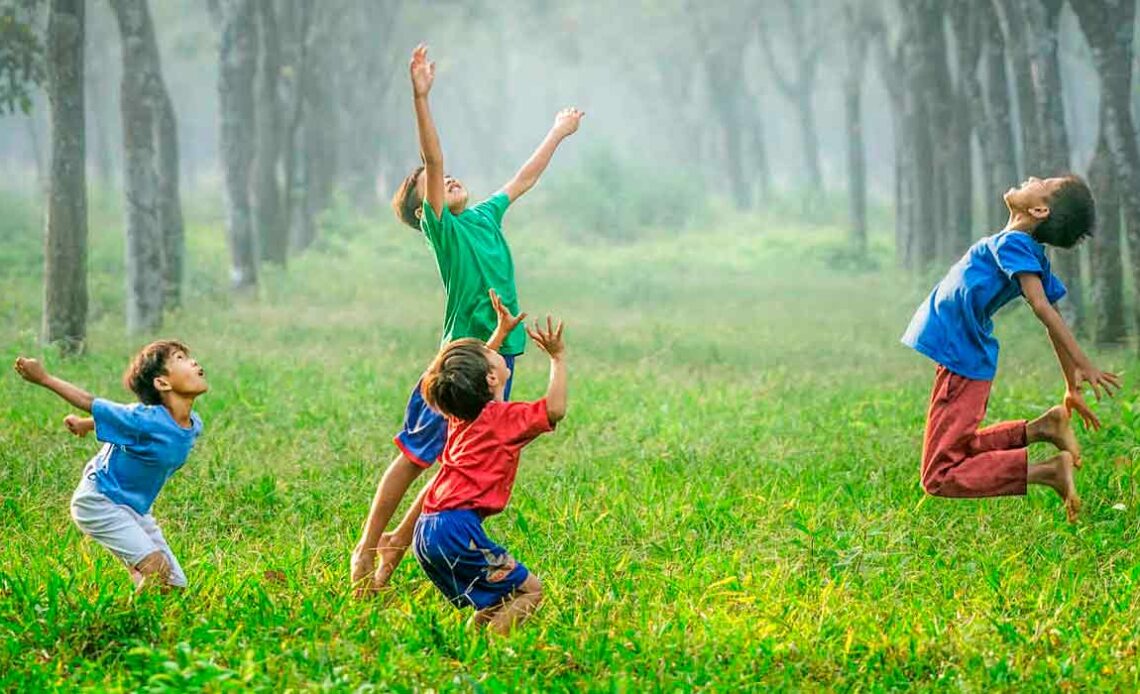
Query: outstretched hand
[[1075, 402], [1097, 380], [550, 339], [567, 120], [422, 71], [507, 322], [31, 370]]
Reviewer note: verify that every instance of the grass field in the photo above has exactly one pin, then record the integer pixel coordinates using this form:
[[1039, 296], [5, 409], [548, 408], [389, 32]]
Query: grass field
[[733, 501]]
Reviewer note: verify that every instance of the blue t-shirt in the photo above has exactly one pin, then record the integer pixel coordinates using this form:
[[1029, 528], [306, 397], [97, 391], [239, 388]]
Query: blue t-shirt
[[144, 447], [954, 326]]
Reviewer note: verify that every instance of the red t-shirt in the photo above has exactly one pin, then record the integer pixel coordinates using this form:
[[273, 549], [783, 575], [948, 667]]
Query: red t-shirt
[[478, 465]]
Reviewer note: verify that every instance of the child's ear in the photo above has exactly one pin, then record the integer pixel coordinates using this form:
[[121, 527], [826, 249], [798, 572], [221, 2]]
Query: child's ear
[[161, 384], [1039, 212], [492, 379], [419, 213]]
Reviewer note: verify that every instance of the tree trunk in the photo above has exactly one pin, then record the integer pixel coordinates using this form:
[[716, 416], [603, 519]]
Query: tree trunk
[[65, 239], [1107, 252], [1108, 25], [169, 197], [723, 68], [266, 194], [800, 89], [999, 152], [145, 276], [1014, 24], [856, 56], [1043, 18], [237, 58], [921, 72], [893, 75], [966, 103]]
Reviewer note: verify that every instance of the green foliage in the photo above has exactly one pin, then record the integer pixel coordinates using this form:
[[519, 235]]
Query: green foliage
[[21, 55], [732, 503], [609, 197]]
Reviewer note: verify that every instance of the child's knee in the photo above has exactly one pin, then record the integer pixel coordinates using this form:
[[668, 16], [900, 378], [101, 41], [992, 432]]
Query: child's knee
[[932, 485]]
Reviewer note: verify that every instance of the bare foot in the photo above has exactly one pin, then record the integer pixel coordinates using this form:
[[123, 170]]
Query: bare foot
[[1054, 427], [1063, 464], [360, 567]]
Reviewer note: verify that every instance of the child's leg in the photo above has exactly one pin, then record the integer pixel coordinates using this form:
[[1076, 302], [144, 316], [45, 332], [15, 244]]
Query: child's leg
[[175, 576], [390, 491], [515, 610], [122, 531], [421, 442], [955, 459]]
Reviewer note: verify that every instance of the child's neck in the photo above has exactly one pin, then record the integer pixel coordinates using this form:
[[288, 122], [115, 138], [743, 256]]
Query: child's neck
[[1022, 221], [179, 407]]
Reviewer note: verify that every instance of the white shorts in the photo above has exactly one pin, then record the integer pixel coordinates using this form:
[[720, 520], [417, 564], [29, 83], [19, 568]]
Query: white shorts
[[128, 535]]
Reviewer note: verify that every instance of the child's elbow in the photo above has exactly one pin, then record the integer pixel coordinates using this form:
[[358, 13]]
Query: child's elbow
[[555, 414]]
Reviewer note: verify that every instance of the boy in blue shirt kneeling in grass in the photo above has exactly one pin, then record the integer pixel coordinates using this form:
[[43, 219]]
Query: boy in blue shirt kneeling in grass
[[143, 445]]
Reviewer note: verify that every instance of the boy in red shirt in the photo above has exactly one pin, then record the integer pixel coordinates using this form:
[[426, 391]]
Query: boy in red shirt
[[466, 382]]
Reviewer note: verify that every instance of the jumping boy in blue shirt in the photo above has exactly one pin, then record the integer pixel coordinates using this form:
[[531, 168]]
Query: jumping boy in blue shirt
[[143, 445], [473, 257], [954, 328]]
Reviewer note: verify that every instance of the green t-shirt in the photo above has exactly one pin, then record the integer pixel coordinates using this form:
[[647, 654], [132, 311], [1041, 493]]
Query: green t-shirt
[[473, 256]]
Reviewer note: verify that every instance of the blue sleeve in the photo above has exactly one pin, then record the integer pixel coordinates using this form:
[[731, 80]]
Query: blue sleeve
[[1054, 288], [494, 207], [1017, 252], [116, 424]]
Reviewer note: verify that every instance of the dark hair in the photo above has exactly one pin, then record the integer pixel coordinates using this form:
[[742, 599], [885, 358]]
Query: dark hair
[[408, 199], [456, 382], [149, 364], [1072, 215]]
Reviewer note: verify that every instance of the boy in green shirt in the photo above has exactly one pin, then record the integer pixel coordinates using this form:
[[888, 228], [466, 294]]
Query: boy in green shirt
[[473, 259]]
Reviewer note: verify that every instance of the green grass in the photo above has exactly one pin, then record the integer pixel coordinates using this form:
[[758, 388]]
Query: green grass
[[733, 501]]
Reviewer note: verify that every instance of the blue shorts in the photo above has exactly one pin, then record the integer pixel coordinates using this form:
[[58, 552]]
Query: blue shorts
[[425, 430], [465, 564]]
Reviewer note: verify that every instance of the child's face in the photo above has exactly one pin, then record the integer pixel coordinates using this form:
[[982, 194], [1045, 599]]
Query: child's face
[[184, 376], [1033, 194], [499, 374], [454, 192]]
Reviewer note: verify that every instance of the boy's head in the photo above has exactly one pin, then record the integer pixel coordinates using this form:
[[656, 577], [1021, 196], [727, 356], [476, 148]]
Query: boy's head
[[1063, 208], [408, 202], [463, 378], [164, 367]]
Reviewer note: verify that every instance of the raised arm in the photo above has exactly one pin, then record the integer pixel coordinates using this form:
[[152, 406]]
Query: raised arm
[[423, 75], [550, 341], [32, 371], [506, 323], [565, 124]]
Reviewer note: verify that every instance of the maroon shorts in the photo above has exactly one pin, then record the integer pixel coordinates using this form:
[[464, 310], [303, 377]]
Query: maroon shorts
[[960, 460]]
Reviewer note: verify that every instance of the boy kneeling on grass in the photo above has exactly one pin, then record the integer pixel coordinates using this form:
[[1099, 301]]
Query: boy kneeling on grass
[[143, 445], [954, 327], [485, 435]]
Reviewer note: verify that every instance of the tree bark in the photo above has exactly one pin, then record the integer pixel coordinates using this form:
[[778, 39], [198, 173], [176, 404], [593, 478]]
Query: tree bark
[[146, 286], [919, 59], [65, 238], [170, 218], [237, 58], [893, 75], [266, 194], [965, 96], [1107, 252], [856, 43], [999, 151], [1014, 25], [1108, 25], [1043, 18]]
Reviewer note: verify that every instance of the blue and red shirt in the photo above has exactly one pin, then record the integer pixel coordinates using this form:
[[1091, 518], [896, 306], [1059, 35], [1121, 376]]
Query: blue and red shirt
[[954, 326], [478, 466]]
